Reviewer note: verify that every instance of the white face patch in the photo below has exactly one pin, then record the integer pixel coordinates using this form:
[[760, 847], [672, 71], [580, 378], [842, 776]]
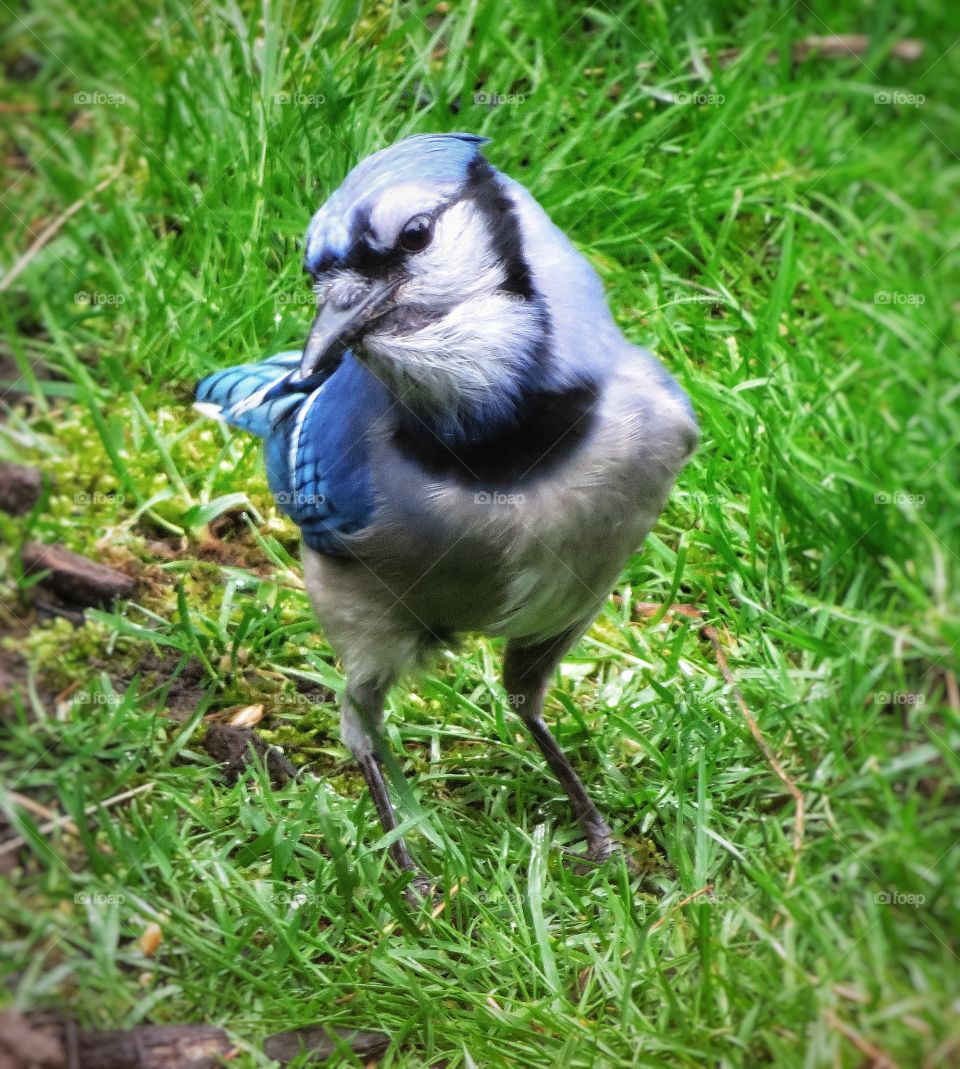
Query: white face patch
[[458, 264], [461, 361], [451, 339], [475, 338]]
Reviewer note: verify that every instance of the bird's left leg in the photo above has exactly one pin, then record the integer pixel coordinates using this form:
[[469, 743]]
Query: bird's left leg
[[361, 728], [527, 671]]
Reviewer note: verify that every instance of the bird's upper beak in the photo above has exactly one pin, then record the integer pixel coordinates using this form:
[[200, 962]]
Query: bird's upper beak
[[338, 326]]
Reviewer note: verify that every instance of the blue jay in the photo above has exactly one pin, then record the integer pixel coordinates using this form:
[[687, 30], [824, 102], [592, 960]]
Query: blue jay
[[467, 441]]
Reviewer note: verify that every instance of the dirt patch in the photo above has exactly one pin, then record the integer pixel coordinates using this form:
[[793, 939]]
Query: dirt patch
[[180, 686], [235, 553], [231, 544], [20, 488], [315, 693], [235, 748]]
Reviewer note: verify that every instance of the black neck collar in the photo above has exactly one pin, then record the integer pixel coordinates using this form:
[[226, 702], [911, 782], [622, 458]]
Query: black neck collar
[[546, 427]]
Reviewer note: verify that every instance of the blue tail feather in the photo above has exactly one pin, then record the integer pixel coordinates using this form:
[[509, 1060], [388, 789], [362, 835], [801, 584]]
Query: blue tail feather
[[233, 392]]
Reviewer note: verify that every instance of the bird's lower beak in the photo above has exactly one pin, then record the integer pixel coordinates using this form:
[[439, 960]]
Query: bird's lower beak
[[336, 328]]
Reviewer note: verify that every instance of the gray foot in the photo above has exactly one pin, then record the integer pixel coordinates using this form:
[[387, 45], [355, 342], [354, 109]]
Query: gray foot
[[598, 853], [419, 892]]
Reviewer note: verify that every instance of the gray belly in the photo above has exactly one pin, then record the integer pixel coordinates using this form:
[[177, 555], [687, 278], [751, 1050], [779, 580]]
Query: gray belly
[[524, 570]]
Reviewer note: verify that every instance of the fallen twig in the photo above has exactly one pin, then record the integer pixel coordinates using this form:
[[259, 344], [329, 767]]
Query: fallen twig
[[705, 890], [878, 1059], [832, 46], [64, 821], [52, 1042], [711, 635], [649, 609], [50, 231], [51, 816], [76, 579]]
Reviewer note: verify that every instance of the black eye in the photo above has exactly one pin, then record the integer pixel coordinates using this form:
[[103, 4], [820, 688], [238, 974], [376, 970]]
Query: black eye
[[417, 234]]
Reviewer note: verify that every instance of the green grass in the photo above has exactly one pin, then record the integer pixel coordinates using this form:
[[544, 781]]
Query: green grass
[[788, 243]]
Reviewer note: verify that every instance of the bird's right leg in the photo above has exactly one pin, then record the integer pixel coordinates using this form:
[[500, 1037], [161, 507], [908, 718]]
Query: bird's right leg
[[526, 673], [361, 728]]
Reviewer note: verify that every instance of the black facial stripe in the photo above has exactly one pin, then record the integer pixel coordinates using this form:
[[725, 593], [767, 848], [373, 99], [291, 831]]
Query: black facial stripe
[[361, 256], [487, 194], [545, 431]]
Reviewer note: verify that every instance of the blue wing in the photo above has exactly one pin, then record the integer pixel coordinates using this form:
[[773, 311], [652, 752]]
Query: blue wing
[[236, 394], [315, 442]]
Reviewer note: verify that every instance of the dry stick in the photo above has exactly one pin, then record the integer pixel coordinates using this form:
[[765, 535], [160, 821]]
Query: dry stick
[[941, 1056], [878, 1059], [710, 634], [38, 810], [953, 691], [51, 231], [705, 890], [834, 46], [58, 822], [648, 609]]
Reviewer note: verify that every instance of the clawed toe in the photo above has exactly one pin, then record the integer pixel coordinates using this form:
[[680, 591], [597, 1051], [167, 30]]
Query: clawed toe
[[598, 854], [419, 891]]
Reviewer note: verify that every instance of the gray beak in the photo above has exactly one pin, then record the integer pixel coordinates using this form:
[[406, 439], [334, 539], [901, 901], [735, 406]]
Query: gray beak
[[336, 328]]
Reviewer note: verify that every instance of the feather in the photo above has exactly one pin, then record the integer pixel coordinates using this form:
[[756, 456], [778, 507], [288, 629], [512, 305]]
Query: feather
[[238, 395], [315, 445]]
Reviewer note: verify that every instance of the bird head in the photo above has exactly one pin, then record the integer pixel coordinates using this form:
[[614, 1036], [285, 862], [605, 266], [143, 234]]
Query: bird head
[[420, 268]]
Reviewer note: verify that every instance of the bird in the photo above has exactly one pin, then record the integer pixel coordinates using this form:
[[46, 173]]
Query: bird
[[467, 441]]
